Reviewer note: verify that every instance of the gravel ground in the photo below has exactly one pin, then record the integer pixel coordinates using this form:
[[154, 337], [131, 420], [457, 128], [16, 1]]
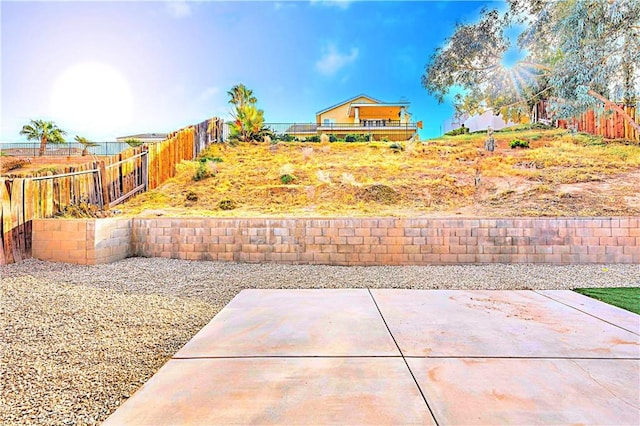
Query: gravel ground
[[77, 341]]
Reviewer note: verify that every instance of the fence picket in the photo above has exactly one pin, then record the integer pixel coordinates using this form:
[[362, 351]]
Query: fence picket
[[17, 220], [7, 223], [102, 183], [28, 203]]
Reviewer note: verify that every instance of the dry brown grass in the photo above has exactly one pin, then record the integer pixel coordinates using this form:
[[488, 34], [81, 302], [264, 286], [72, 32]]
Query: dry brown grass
[[442, 176]]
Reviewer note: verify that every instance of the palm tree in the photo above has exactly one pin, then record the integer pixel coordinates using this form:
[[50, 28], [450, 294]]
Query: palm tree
[[133, 142], [86, 144], [45, 132], [241, 96], [248, 124]]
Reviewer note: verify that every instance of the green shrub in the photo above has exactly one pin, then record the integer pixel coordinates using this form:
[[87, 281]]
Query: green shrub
[[333, 138], [45, 170], [133, 142], [285, 137], [541, 126], [286, 179], [518, 143], [208, 158], [202, 172], [227, 204], [356, 137], [588, 140], [396, 147], [458, 131], [314, 138]]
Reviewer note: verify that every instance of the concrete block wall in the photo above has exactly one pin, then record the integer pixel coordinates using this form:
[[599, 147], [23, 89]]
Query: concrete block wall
[[391, 241], [342, 241], [81, 241], [60, 240], [112, 240]]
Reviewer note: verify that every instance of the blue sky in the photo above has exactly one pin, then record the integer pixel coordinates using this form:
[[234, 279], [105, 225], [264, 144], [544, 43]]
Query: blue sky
[[107, 69]]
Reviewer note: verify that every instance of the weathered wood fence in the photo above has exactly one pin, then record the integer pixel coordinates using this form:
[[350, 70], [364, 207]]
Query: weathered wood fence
[[104, 183], [609, 125]]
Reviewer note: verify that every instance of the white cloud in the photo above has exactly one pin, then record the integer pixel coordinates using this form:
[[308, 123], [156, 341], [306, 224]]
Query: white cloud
[[342, 4], [208, 93], [178, 8], [333, 60], [284, 5]]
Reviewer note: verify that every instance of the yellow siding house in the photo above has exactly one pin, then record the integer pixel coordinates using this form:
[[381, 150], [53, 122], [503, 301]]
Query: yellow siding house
[[363, 114]]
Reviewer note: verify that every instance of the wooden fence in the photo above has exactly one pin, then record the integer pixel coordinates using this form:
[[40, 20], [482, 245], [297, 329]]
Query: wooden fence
[[25, 199], [103, 183], [609, 125]]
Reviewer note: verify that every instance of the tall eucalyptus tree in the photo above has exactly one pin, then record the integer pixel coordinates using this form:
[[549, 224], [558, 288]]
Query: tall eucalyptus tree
[[580, 54]]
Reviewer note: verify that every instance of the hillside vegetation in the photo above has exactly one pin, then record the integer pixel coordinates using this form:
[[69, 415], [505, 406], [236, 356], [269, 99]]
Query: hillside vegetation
[[559, 174]]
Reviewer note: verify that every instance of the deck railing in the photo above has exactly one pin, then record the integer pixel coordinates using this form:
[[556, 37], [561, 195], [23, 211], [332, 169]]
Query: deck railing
[[371, 129]]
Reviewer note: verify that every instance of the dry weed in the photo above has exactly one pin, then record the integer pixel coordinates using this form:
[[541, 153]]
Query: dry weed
[[348, 179], [286, 169], [440, 175], [323, 177], [307, 153]]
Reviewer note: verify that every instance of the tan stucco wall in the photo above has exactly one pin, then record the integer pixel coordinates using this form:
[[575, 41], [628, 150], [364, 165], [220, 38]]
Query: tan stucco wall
[[339, 113]]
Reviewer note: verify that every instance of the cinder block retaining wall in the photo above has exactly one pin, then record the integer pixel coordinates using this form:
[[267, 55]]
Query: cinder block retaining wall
[[82, 241], [353, 241]]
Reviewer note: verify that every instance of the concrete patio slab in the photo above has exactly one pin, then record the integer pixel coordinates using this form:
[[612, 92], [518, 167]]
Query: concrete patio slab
[[612, 314], [451, 323], [295, 323], [286, 391], [327, 357], [533, 391]]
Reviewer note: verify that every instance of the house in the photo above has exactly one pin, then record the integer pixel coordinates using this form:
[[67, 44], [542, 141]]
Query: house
[[478, 122], [361, 115], [145, 137]]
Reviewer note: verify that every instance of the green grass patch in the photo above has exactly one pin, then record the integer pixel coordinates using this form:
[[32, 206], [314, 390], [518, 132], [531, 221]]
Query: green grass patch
[[623, 297]]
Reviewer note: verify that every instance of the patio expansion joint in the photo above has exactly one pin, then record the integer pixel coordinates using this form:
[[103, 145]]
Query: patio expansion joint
[[521, 357], [587, 313], [283, 356], [404, 359]]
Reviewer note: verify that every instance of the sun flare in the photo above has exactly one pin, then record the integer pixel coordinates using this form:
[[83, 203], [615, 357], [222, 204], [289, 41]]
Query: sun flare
[[92, 98]]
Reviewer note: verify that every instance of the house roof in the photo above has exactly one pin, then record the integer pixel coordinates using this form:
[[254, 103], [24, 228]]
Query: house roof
[[361, 95], [376, 105], [302, 128]]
